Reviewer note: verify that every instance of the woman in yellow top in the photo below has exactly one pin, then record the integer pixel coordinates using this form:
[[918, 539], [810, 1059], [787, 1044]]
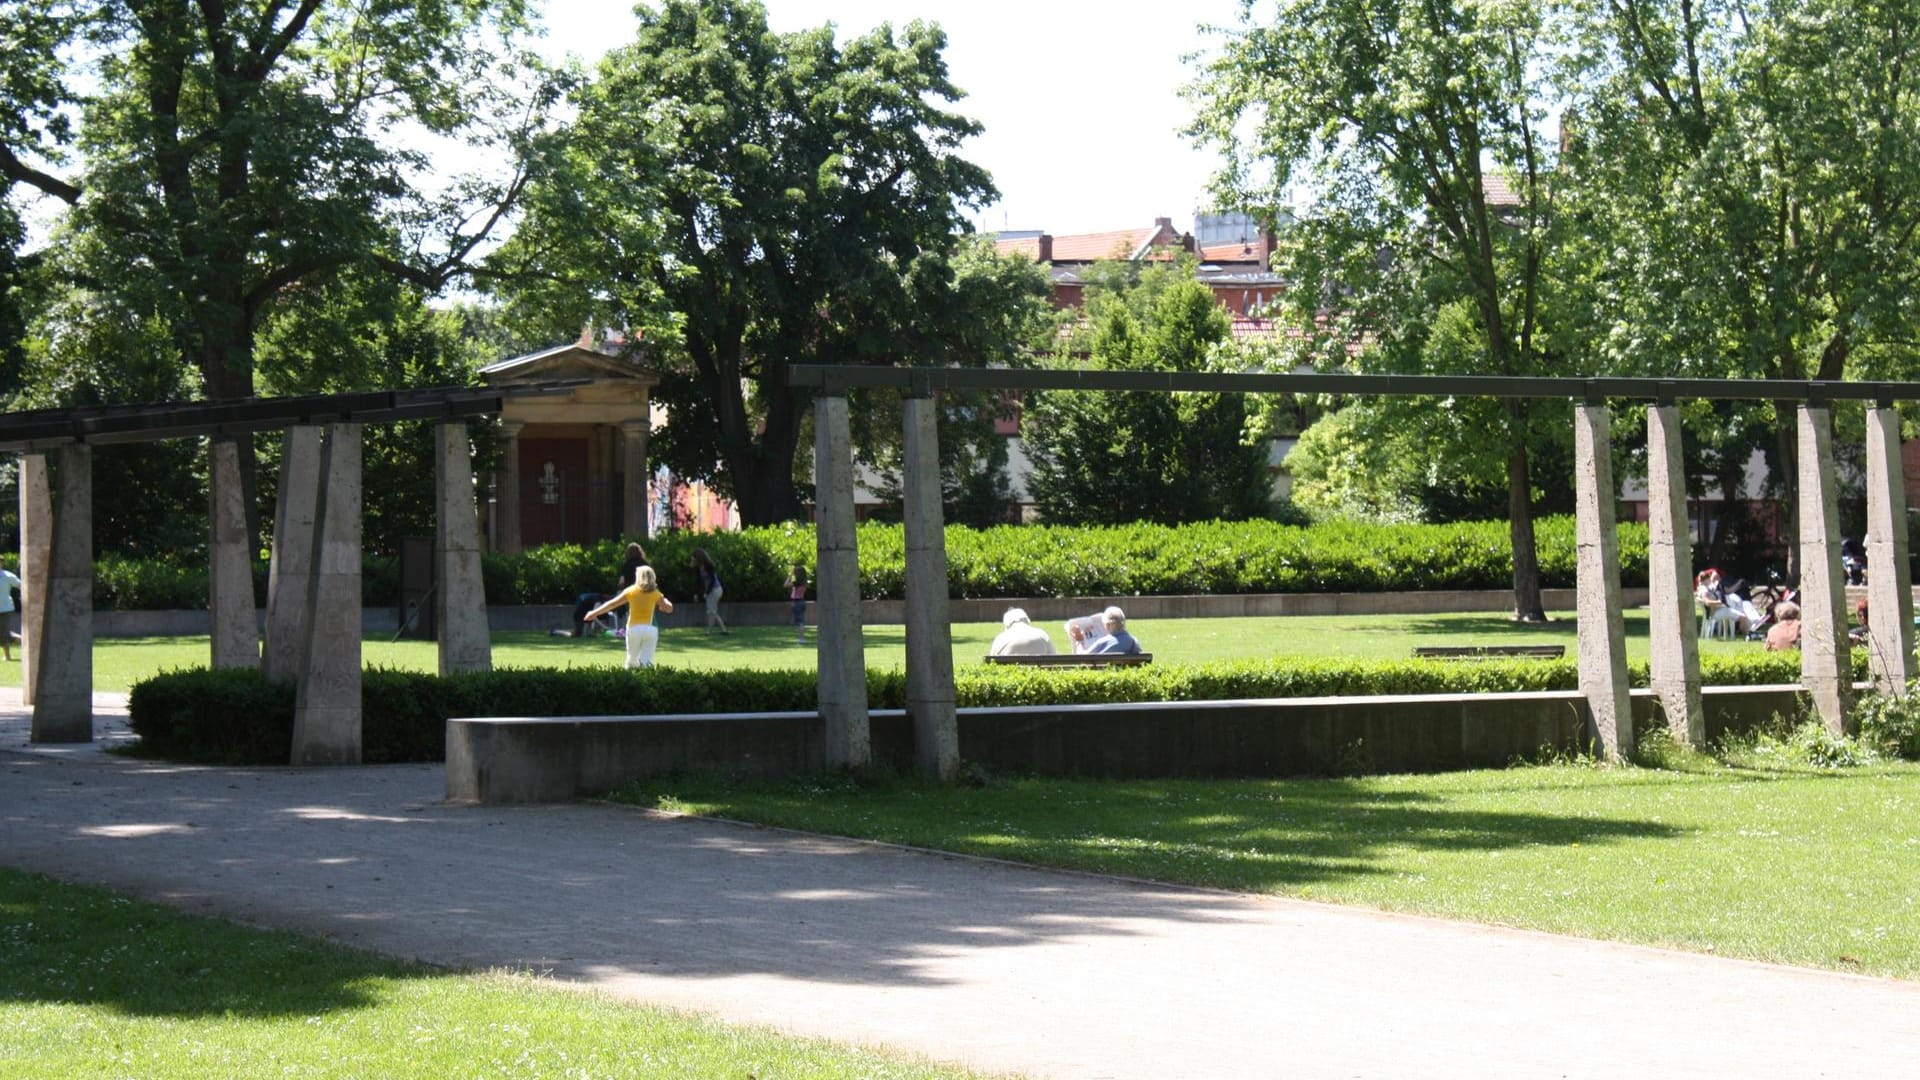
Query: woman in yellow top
[[641, 598]]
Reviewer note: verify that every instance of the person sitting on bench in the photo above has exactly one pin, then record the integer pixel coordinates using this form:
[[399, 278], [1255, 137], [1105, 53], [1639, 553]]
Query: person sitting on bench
[[1116, 639], [1021, 637]]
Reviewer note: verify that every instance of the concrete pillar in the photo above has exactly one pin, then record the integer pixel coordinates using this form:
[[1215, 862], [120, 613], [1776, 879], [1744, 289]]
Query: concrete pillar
[[1889, 581], [63, 673], [1602, 631], [506, 493], [930, 693], [460, 596], [843, 668], [1675, 644], [633, 462], [326, 714], [36, 549], [1824, 666], [234, 626], [290, 565]]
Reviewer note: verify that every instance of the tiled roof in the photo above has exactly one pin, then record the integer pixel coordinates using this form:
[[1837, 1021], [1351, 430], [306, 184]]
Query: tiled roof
[[1089, 247], [1025, 245], [1230, 253], [1499, 191]]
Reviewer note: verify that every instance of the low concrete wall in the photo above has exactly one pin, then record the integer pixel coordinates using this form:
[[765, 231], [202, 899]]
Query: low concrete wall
[[552, 759], [385, 620]]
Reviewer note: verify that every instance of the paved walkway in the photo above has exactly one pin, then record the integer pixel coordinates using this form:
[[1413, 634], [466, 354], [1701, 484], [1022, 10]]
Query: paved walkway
[[997, 967]]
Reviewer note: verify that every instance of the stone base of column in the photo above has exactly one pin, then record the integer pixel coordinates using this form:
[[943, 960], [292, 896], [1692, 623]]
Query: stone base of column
[[460, 600], [326, 719], [63, 692]]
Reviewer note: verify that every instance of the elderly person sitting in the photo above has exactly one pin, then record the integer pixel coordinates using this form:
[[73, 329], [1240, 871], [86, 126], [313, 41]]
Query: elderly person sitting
[[1020, 638], [1116, 640], [1786, 628]]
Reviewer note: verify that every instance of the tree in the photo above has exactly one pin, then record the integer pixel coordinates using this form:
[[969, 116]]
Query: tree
[[1749, 182], [1108, 457], [995, 314], [234, 151], [752, 200], [1405, 122]]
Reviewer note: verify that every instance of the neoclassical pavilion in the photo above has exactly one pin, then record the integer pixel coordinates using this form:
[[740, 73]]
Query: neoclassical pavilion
[[1825, 672], [575, 468]]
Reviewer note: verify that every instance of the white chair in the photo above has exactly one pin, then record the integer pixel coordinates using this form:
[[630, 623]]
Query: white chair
[[1721, 622]]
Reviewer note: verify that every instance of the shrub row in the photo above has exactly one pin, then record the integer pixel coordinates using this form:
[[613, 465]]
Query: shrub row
[[1026, 560], [237, 717]]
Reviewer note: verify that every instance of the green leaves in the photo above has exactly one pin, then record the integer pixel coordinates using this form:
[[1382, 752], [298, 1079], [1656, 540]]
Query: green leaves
[[755, 200]]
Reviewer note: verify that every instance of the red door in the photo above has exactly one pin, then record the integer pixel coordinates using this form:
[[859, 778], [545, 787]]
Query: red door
[[553, 491]]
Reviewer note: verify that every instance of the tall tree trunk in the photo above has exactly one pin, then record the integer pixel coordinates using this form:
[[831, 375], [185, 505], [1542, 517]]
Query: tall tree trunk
[[1786, 439], [226, 370], [1527, 605]]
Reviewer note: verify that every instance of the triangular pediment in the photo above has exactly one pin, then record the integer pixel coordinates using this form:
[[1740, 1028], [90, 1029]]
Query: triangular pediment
[[566, 362]]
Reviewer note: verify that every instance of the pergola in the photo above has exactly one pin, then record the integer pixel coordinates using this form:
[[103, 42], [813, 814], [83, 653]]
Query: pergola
[[313, 591], [1601, 649]]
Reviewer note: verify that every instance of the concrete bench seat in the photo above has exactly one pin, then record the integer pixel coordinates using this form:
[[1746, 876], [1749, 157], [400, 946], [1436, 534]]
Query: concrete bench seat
[[1076, 660], [1483, 652]]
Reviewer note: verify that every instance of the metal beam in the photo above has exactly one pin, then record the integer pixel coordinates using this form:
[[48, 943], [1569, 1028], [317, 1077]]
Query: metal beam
[[108, 424], [837, 379]]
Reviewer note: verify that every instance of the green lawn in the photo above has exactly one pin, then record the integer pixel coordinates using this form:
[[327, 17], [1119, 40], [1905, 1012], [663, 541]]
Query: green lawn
[[95, 985], [120, 662], [1802, 867]]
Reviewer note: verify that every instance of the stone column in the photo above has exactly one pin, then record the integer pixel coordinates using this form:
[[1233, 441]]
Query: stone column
[[235, 627], [291, 564], [1889, 581], [326, 714], [843, 668], [1675, 653], [930, 693], [633, 460], [1602, 631], [1825, 669], [36, 551], [460, 597], [63, 674], [506, 496]]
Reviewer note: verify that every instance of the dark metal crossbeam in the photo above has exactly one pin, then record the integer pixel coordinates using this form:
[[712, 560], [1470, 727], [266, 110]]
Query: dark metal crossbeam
[[40, 429], [835, 379]]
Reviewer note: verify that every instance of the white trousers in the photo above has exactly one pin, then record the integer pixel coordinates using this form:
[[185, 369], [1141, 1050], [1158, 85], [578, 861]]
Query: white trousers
[[641, 639]]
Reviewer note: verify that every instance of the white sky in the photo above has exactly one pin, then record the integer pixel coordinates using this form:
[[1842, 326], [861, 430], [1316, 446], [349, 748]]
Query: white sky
[[1079, 98]]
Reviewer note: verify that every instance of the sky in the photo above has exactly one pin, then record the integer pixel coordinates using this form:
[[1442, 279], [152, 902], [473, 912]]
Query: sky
[[1079, 98]]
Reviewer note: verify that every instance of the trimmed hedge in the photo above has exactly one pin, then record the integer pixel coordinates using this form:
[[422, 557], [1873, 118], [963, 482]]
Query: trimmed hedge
[[237, 717], [1005, 561]]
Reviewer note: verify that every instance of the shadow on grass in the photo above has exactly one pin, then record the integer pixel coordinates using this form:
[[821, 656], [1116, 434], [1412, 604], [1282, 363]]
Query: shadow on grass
[[1253, 835], [70, 944]]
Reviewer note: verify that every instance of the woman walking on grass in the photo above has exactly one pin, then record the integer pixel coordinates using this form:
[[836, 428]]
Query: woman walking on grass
[[708, 583], [797, 593], [641, 598]]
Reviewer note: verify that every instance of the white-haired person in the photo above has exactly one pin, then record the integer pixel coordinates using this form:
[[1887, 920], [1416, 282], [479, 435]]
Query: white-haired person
[[1116, 639], [1021, 637], [641, 598]]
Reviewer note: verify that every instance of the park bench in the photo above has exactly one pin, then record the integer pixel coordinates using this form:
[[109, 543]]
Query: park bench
[[1076, 660], [1482, 652]]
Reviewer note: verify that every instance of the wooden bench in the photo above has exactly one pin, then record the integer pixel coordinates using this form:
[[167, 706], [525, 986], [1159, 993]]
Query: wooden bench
[[1483, 652], [1076, 660]]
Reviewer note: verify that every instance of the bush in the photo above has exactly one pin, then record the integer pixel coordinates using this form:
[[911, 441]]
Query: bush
[[1003, 561], [1890, 725], [237, 717]]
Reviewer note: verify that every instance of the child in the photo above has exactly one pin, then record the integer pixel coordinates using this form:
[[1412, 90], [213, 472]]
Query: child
[[641, 599], [797, 592]]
